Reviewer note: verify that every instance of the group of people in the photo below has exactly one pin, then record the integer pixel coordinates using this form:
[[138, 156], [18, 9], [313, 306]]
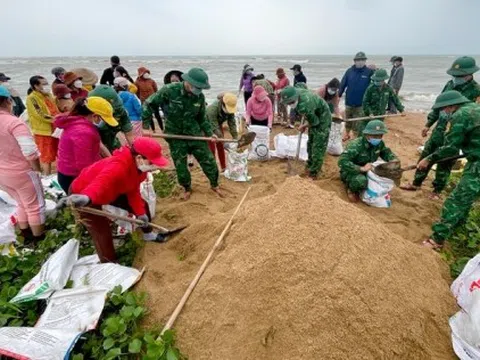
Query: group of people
[[79, 127]]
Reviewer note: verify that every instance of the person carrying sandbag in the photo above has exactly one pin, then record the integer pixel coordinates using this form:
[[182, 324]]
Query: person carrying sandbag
[[357, 160]]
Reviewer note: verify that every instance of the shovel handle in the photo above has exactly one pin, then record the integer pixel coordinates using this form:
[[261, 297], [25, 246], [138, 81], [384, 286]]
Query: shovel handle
[[106, 214], [372, 117], [184, 137]]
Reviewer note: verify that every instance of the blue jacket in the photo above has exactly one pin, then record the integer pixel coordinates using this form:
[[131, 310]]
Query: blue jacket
[[356, 81], [132, 104]]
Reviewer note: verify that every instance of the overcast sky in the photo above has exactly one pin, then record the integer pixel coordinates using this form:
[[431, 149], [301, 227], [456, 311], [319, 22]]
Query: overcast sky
[[246, 27]]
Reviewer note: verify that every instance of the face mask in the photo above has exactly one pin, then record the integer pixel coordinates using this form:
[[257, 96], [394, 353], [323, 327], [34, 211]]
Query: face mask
[[294, 105], [332, 91], [100, 123], [146, 168], [248, 72], [146, 76], [378, 83], [360, 64], [457, 81], [45, 89], [196, 91], [78, 84], [116, 74], [374, 142], [67, 96], [445, 114]]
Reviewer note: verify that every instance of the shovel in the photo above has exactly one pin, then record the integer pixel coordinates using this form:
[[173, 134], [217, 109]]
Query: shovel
[[338, 119], [292, 169], [161, 229], [245, 139], [392, 169]]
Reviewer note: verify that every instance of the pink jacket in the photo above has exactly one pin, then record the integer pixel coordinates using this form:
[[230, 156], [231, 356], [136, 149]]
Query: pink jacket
[[281, 83], [17, 147], [259, 106], [79, 144], [335, 101]]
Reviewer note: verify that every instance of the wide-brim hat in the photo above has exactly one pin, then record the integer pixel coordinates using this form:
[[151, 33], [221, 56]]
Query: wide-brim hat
[[197, 77], [380, 75], [71, 77], [449, 98], [465, 65], [88, 76], [360, 56], [4, 77], [166, 79]]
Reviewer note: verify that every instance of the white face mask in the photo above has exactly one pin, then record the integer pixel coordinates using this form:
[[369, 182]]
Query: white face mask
[[45, 89], [294, 105], [146, 168], [68, 96], [332, 91], [146, 76], [78, 84]]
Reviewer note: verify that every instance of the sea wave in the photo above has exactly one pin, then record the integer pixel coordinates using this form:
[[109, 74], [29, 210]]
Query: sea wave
[[419, 97]]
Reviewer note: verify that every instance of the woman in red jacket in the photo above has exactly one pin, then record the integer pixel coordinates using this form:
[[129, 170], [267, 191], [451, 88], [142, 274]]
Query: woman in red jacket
[[116, 181]]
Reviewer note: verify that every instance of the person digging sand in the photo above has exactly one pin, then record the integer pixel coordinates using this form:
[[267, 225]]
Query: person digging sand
[[116, 181], [464, 134], [318, 116], [183, 104], [357, 160], [462, 71]]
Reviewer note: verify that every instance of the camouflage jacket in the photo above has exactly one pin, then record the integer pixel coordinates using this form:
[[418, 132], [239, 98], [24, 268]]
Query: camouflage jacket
[[185, 113], [359, 153], [376, 98], [464, 134], [315, 110], [265, 84], [108, 133], [217, 117], [471, 90]]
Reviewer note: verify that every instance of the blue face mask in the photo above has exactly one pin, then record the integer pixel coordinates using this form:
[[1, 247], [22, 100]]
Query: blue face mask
[[374, 142], [100, 124], [378, 83], [457, 81]]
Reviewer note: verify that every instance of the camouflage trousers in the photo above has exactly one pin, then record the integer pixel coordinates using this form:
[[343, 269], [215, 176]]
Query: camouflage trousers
[[180, 149], [355, 182], [316, 149], [443, 168], [457, 206], [350, 113]]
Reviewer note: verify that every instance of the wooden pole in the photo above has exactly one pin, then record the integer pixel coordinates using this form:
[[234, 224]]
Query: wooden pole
[[107, 214], [200, 272]]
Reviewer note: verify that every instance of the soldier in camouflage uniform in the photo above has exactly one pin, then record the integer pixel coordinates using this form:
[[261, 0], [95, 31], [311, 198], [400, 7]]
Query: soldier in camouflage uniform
[[461, 70], [377, 98], [183, 104], [318, 117], [109, 133], [357, 159], [464, 134]]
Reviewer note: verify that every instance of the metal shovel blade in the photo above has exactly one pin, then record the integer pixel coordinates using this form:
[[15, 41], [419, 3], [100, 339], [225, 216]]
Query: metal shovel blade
[[246, 139], [392, 170], [174, 230]]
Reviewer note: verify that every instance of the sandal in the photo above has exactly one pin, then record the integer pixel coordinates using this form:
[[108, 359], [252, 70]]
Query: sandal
[[409, 187], [353, 197], [431, 244]]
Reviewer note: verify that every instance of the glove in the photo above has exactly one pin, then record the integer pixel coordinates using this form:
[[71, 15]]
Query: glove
[[74, 200], [145, 220], [78, 200]]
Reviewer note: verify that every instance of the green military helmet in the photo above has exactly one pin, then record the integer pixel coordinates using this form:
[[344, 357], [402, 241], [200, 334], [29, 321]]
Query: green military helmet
[[301, 85], [288, 95], [375, 127], [380, 75], [198, 78], [449, 98], [106, 92], [463, 66], [360, 56]]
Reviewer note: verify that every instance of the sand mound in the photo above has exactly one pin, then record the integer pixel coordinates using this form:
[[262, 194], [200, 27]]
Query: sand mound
[[305, 275]]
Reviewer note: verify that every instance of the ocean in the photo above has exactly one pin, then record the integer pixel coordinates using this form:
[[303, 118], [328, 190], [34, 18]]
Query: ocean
[[425, 76]]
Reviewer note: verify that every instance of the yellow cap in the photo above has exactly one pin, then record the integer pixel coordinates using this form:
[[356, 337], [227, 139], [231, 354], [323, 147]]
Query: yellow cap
[[230, 102], [102, 108]]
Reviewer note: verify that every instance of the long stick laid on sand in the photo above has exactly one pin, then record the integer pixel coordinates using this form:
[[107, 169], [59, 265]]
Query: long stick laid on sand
[[164, 231], [338, 119], [245, 139], [200, 272]]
